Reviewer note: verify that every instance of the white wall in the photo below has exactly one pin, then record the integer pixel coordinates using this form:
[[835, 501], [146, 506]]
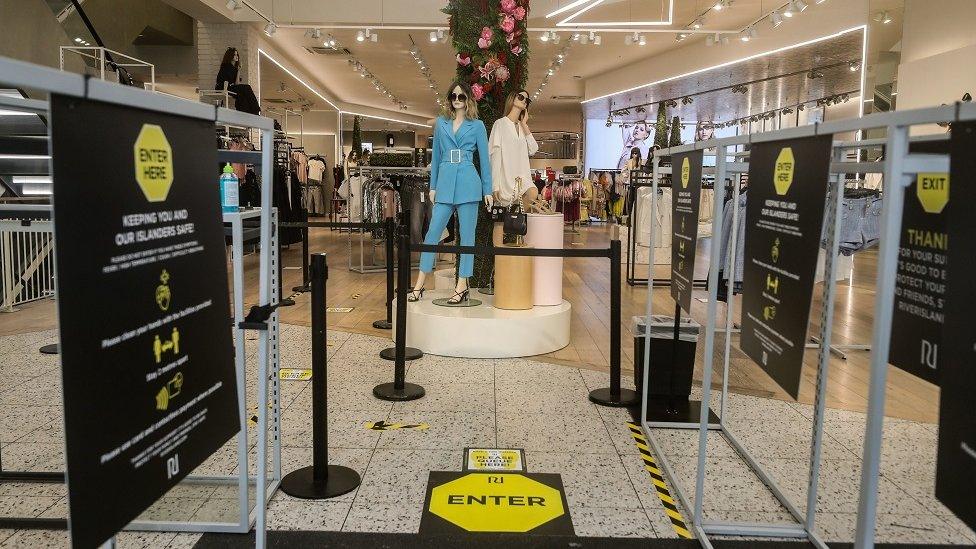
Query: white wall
[[938, 52]]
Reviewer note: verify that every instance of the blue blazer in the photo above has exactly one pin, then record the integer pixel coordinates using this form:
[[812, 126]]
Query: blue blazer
[[452, 174]]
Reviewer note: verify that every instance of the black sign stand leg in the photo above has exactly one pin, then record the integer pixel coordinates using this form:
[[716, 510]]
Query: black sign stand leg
[[400, 390], [672, 409], [387, 323], [320, 480], [51, 349], [403, 283], [614, 396]]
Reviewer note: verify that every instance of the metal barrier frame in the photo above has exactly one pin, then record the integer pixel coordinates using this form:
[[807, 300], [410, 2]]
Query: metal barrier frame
[[899, 170], [33, 77]]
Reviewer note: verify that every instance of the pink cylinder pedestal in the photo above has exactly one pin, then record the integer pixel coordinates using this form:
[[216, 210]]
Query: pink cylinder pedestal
[[546, 231]]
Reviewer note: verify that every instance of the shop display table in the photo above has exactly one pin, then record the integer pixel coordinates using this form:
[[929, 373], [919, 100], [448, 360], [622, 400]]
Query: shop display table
[[485, 331]]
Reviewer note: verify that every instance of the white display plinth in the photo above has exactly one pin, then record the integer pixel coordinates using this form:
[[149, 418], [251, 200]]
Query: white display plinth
[[444, 279], [484, 331], [545, 231]]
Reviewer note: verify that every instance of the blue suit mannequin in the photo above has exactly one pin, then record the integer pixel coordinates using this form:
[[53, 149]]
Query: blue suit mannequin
[[457, 185]]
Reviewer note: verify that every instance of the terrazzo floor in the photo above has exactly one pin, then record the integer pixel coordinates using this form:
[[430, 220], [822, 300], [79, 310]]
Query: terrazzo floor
[[509, 403]]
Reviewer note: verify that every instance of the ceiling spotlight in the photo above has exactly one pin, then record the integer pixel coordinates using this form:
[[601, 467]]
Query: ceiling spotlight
[[441, 35], [748, 34], [799, 107], [234, 5], [555, 38], [270, 29], [883, 17], [697, 23], [609, 121], [360, 36], [687, 101], [330, 41], [788, 11], [433, 36], [721, 4], [710, 40], [316, 33], [597, 40], [545, 36], [414, 50], [373, 37], [814, 74], [642, 40], [787, 111], [800, 6], [854, 66], [629, 39], [725, 40], [680, 36], [776, 19]]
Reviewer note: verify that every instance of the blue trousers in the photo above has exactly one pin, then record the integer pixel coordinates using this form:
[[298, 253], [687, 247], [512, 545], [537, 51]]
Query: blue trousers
[[467, 218]]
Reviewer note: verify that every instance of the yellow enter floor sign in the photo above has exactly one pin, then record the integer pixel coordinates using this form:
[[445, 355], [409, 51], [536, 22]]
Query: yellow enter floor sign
[[495, 502]]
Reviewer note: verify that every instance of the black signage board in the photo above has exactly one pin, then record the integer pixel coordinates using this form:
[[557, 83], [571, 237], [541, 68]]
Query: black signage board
[[916, 324], [955, 477], [685, 203], [784, 217], [146, 352]]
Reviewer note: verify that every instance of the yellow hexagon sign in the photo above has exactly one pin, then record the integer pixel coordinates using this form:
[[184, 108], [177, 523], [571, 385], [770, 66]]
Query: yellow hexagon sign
[[933, 191], [685, 173], [783, 174], [153, 162], [503, 502]]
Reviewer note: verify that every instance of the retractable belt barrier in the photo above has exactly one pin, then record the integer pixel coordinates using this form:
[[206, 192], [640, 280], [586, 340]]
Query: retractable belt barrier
[[399, 390]]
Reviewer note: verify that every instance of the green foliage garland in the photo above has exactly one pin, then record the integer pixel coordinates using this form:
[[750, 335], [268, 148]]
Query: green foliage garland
[[661, 127], [492, 47], [357, 139], [675, 132]]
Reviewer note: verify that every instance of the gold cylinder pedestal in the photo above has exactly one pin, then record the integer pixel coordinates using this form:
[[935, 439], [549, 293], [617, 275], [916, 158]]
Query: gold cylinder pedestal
[[513, 282]]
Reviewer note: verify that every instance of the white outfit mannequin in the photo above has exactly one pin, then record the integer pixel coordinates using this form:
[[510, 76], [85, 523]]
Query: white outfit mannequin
[[510, 149]]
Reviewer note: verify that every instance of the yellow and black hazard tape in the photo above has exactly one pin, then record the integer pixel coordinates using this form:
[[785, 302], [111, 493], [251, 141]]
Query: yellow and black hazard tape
[[657, 478]]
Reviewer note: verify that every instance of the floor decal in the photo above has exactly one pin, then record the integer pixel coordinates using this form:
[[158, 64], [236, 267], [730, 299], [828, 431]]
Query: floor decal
[[495, 502], [384, 426], [295, 374], [657, 478]]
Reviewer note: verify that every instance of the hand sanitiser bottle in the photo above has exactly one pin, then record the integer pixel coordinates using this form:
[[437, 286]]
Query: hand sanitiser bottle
[[229, 191]]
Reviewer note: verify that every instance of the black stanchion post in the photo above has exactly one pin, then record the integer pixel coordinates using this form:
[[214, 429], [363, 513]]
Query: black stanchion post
[[400, 390], [305, 274], [388, 322], [319, 480], [403, 286], [615, 395]]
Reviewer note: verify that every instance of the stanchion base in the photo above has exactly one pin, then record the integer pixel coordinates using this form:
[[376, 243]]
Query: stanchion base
[[486, 291], [286, 302], [383, 325], [301, 484], [410, 354], [386, 391], [51, 349], [604, 398], [661, 410], [302, 289]]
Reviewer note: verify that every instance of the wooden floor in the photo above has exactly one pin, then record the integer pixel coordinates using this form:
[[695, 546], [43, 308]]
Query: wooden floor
[[586, 284]]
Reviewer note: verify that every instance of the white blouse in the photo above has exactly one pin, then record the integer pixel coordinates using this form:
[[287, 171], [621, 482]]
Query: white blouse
[[509, 151]]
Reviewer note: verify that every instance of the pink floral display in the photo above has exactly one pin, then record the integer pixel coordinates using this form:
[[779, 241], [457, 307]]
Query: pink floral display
[[463, 60], [517, 50], [507, 24], [519, 13], [507, 6], [486, 33], [478, 90], [502, 74]]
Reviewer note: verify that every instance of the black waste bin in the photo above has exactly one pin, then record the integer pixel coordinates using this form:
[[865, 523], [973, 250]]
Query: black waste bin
[[663, 359]]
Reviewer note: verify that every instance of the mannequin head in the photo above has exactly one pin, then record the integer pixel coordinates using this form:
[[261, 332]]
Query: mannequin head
[[635, 154], [462, 101], [518, 100], [231, 57]]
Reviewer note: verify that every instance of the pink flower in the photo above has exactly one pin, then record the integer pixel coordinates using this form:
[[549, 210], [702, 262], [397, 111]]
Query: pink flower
[[510, 37], [463, 61], [478, 91], [508, 6], [519, 13], [507, 24], [483, 44], [486, 33], [517, 49], [502, 74]]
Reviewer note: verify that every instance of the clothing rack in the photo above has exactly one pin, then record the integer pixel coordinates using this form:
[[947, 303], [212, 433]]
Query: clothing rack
[[368, 173]]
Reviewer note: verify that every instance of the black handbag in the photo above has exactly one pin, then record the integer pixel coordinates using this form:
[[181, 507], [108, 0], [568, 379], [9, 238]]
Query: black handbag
[[516, 222]]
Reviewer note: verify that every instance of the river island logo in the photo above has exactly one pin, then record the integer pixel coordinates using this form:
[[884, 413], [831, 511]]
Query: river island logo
[[933, 191], [685, 173], [783, 175], [153, 163]]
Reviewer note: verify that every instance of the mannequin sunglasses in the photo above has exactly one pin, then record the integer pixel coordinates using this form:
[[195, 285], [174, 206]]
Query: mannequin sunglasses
[[457, 97]]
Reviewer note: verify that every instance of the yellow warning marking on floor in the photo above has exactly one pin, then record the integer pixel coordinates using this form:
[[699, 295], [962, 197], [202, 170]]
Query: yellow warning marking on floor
[[660, 486], [295, 374], [384, 426]]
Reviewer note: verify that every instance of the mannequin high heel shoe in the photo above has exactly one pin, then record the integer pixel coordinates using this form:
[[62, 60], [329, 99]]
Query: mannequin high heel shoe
[[458, 297], [415, 295]]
